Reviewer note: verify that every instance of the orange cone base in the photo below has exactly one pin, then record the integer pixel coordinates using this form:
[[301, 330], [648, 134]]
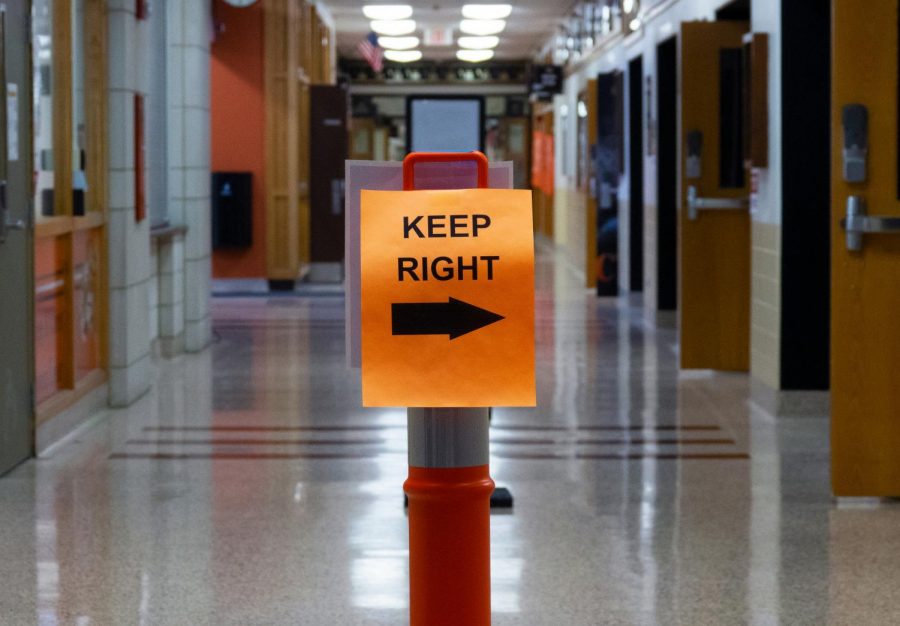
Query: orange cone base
[[449, 546]]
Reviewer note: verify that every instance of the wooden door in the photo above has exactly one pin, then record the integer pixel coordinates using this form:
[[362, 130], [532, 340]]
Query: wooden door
[[715, 247], [328, 151], [516, 144], [865, 284], [362, 136], [542, 167]]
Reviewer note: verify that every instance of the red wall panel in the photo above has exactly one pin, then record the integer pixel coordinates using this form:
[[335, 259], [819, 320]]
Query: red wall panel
[[237, 111]]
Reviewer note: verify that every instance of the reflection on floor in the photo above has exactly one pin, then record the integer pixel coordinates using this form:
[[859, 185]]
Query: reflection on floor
[[250, 488]]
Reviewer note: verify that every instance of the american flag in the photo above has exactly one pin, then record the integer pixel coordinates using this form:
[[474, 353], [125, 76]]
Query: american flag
[[371, 51]]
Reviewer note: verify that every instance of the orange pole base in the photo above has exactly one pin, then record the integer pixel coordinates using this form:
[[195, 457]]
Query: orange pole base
[[449, 546]]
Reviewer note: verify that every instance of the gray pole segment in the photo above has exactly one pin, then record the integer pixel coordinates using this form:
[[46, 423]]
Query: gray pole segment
[[448, 437]]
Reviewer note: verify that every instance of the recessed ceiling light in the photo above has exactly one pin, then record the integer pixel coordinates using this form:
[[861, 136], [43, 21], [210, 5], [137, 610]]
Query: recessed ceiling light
[[387, 11], [393, 27], [402, 56], [474, 56], [482, 27], [478, 43], [398, 43], [486, 11]]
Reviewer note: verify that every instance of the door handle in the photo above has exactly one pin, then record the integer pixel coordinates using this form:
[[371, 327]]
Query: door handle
[[857, 223], [697, 204], [7, 224]]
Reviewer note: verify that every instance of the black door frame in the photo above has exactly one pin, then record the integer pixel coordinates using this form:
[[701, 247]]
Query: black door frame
[[667, 175], [636, 173]]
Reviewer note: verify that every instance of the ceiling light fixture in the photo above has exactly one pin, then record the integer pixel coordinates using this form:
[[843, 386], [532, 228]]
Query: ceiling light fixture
[[482, 27], [402, 56], [486, 11], [387, 11], [398, 43], [478, 43], [474, 56], [393, 28]]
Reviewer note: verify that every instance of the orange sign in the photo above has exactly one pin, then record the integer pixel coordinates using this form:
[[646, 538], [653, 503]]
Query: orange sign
[[447, 298]]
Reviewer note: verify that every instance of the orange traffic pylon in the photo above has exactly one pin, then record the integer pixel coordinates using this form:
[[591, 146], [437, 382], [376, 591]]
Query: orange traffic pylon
[[449, 545]]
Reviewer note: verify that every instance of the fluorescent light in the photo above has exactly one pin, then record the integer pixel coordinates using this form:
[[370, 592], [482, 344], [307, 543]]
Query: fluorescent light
[[398, 43], [402, 56], [486, 11], [393, 27], [387, 11], [474, 56], [627, 6], [478, 43], [482, 27]]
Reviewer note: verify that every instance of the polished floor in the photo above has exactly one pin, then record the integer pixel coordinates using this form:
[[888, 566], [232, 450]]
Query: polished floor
[[249, 487]]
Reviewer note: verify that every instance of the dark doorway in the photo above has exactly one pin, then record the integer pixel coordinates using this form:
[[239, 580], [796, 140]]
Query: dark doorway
[[609, 161], [737, 10], [328, 133], [806, 197], [636, 173], [667, 176]]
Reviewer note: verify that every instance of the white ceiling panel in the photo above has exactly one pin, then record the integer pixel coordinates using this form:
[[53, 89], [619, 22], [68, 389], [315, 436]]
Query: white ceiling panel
[[531, 22]]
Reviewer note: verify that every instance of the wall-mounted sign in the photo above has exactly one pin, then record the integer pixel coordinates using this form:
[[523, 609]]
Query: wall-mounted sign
[[438, 36], [437, 72], [546, 81], [12, 121], [447, 298]]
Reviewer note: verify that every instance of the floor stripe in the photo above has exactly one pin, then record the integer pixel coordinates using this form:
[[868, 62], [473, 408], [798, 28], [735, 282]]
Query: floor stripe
[[237, 456], [362, 442], [375, 427], [260, 456], [527, 442], [257, 442], [659, 442], [612, 427], [268, 429], [628, 456], [663, 456]]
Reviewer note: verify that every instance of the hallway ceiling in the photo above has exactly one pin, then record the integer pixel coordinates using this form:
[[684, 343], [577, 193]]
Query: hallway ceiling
[[531, 22]]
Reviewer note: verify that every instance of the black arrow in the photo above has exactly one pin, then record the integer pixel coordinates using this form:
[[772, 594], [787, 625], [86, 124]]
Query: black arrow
[[454, 318]]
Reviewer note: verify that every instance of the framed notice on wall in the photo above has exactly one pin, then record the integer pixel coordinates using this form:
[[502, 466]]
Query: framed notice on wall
[[444, 123]]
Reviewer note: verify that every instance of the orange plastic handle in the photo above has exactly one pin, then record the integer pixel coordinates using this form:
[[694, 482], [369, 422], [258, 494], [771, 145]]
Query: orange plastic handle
[[409, 165]]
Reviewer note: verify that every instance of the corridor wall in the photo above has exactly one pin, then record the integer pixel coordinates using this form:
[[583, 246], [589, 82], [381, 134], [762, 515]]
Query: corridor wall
[[238, 130], [661, 21], [160, 289]]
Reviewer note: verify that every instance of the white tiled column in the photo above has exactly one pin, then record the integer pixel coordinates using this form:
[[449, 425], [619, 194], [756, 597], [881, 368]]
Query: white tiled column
[[170, 276], [765, 306], [129, 241], [189, 160]]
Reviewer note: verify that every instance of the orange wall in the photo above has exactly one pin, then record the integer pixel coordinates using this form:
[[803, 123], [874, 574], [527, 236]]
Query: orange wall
[[237, 104]]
